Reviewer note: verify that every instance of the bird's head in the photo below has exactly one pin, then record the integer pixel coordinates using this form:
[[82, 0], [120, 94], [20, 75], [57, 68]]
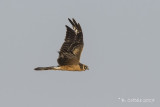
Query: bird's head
[[83, 67]]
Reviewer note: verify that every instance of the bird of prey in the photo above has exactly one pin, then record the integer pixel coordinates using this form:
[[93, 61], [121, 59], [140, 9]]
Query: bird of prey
[[70, 52]]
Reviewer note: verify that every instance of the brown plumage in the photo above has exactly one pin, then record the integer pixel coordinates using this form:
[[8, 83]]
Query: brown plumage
[[70, 52]]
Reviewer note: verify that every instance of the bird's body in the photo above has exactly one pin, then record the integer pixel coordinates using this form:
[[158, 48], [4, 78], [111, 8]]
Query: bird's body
[[70, 52]]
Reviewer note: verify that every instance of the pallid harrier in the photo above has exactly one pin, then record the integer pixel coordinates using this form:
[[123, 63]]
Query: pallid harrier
[[70, 52]]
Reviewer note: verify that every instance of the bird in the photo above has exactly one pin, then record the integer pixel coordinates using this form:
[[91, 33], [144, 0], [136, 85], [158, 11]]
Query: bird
[[70, 51]]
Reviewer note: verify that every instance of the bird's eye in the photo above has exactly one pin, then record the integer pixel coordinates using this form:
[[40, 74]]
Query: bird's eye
[[85, 67]]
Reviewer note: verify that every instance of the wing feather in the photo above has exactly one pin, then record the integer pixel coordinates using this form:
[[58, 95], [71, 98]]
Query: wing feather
[[72, 47]]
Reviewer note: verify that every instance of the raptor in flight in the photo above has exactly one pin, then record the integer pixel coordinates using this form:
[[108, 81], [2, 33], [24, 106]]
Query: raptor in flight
[[70, 52]]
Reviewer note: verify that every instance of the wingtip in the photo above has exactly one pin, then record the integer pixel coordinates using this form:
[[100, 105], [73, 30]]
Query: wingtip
[[67, 27], [73, 20], [69, 19]]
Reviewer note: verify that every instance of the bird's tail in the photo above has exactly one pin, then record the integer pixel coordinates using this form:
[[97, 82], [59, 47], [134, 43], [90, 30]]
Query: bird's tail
[[47, 68]]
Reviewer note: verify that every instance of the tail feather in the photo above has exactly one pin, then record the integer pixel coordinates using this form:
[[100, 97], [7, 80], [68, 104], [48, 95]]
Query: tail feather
[[46, 68]]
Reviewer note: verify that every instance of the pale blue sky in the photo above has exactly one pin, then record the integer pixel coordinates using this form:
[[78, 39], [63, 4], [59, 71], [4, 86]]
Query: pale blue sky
[[121, 49]]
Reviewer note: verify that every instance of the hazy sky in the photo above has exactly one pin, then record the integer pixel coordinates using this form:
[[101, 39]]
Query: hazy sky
[[122, 50]]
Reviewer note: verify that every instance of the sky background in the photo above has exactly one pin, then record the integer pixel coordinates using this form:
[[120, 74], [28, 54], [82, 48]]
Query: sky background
[[122, 50]]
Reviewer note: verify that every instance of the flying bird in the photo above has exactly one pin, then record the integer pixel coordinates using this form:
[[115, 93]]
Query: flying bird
[[70, 51]]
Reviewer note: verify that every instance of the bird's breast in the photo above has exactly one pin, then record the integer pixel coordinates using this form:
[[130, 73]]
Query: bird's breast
[[71, 68]]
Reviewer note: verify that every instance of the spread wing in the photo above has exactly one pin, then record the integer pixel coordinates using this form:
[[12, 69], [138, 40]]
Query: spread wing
[[71, 49]]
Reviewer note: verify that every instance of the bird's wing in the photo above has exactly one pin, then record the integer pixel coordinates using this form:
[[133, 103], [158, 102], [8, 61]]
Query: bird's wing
[[71, 49]]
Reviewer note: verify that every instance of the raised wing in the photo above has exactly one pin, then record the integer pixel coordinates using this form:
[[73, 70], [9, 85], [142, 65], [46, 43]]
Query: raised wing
[[71, 49]]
